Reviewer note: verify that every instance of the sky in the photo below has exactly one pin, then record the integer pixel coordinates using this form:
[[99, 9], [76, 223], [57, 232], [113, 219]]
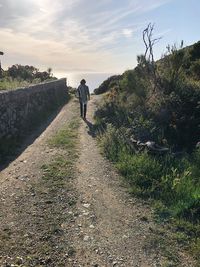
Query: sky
[[88, 36]]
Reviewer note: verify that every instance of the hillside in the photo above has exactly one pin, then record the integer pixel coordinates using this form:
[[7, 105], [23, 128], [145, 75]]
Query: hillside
[[171, 103], [150, 123], [191, 67]]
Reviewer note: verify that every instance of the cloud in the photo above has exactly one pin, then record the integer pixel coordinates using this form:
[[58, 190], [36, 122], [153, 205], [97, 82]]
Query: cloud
[[50, 53], [127, 33], [74, 34]]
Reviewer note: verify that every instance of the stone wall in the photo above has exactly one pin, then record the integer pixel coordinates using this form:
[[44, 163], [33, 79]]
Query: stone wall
[[22, 109]]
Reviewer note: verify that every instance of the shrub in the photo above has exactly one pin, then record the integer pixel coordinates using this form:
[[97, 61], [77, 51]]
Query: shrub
[[173, 181]]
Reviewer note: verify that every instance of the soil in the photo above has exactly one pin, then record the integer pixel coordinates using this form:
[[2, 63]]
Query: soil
[[106, 226]]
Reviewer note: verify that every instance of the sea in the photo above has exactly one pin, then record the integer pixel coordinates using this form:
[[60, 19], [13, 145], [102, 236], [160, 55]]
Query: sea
[[93, 79]]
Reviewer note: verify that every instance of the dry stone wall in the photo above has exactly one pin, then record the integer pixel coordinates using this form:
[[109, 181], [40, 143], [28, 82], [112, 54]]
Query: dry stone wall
[[22, 109]]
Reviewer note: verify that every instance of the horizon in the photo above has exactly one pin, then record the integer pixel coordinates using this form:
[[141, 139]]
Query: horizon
[[76, 37], [93, 79]]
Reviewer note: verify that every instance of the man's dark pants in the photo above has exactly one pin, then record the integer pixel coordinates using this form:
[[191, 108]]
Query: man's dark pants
[[83, 109]]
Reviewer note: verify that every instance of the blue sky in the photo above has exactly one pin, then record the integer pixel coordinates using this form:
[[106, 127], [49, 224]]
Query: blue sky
[[91, 36]]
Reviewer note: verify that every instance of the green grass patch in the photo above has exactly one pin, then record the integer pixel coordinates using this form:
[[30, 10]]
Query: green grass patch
[[66, 138], [57, 171], [62, 167], [11, 84]]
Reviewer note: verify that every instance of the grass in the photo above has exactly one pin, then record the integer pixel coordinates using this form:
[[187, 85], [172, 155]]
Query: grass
[[10, 84], [56, 179], [65, 138], [170, 184], [55, 173]]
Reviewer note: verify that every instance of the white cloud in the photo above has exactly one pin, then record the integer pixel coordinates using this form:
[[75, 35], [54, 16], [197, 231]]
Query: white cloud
[[127, 33], [51, 53], [74, 34]]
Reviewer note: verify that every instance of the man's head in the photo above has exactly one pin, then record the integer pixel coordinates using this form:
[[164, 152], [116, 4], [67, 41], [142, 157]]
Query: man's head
[[83, 81]]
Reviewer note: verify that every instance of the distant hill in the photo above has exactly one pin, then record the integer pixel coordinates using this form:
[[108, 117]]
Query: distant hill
[[107, 84]]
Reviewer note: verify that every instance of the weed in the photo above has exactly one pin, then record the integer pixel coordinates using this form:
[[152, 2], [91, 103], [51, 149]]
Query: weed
[[66, 138]]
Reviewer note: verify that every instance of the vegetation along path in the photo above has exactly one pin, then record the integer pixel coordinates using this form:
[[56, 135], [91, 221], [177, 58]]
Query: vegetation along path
[[63, 204]]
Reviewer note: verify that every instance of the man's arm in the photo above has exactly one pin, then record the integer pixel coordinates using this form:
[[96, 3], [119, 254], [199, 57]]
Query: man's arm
[[88, 92], [78, 92]]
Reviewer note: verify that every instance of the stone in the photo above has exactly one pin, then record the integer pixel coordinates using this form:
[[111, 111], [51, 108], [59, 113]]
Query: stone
[[86, 205], [86, 238]]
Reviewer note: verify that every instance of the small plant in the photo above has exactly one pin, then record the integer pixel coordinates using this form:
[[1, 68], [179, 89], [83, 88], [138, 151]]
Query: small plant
[[66, 138]]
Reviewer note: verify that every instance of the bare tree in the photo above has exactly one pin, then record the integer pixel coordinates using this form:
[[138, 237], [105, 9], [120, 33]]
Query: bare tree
[[149, 42]]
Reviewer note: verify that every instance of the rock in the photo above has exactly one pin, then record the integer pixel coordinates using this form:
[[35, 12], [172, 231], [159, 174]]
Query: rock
[[86, 213], [86, 205], [19, 261], [144, 219], [91, 226], [110, 258], [86, 238], [70, 212], [22, 178]]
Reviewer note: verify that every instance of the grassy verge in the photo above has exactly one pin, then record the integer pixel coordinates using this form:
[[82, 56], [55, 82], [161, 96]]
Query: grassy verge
[[171, 184], [10, 84]]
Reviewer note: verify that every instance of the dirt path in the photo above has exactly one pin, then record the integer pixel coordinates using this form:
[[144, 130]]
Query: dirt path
[[31, 208], [112, 228], [106, 227]]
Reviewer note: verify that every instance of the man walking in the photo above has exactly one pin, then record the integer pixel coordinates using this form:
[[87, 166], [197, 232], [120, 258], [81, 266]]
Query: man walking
[[84, 96]]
